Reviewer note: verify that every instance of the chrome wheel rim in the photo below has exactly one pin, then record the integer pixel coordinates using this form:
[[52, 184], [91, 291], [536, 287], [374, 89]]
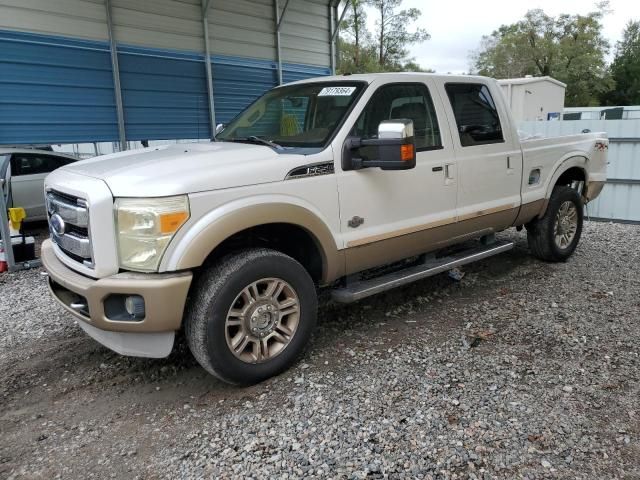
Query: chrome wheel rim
[[566, 224], [262, 320]]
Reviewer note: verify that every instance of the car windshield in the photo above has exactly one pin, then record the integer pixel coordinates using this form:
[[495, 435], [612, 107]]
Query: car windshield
[[304, 115]]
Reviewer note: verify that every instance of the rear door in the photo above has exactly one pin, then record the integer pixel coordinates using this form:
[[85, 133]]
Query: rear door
[[28, 171], [489, 157]]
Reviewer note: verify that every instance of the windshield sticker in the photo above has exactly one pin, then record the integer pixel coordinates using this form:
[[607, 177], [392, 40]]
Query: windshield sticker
[[337, 91]]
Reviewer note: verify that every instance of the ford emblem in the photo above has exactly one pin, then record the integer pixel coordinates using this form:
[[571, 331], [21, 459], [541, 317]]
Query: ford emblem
[[57, 224]]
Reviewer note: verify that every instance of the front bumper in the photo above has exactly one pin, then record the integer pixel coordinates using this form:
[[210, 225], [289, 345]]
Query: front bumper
[[164, 297]]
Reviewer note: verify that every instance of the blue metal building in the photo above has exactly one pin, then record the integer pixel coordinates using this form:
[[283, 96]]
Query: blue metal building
[[76, 71]]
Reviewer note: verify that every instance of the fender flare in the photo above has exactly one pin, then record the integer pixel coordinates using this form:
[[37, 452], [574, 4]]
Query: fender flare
[[571, 160], [202, 238]]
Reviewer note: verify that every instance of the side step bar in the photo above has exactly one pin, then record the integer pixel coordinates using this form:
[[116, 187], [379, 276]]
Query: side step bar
[[365, 288]]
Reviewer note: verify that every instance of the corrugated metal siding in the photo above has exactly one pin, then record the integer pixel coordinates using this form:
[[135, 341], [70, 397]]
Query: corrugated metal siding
[[55, 89], [244, 28], [71, 18], [239, 81], [164, 94], [305, 33], [170, 24], [620, 198], [60, 90]]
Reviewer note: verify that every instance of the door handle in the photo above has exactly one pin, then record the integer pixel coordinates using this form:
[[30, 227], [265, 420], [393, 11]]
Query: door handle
[[437, 169], [448, 174]]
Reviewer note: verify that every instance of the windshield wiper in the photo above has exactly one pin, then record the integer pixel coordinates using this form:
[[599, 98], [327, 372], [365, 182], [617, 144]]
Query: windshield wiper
[[255, 139]]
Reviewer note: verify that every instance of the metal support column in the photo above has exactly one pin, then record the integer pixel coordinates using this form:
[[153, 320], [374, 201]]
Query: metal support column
[[278, 19], [115, 68], [334, 33], [5, 235], [332, 49], [276, 14], [207, 64]]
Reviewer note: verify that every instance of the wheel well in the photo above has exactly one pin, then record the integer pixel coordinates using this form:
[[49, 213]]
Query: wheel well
[[289, 239], [574, 174]]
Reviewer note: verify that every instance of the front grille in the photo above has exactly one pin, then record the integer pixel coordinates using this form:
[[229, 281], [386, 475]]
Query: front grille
[[69, 226]]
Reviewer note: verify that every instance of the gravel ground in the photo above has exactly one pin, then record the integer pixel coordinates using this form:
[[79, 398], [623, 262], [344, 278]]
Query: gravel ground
[[521, 370]]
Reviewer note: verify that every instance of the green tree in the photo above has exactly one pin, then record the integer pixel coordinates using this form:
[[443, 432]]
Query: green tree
[[625, 68], [570, 48], [392, 33], [354, 34], [361, 51]]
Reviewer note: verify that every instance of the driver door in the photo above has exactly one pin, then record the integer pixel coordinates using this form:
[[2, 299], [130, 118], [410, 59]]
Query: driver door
[[389, 215]]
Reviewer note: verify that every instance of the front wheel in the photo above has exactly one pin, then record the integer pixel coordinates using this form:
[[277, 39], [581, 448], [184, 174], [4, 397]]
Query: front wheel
[[555, 236], [251, 315]]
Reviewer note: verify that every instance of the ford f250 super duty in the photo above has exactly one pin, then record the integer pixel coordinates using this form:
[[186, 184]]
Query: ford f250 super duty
[[356, 183]]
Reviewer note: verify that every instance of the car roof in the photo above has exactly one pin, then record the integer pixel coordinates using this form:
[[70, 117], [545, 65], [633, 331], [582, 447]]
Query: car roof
[[397, 76], [5, 150]]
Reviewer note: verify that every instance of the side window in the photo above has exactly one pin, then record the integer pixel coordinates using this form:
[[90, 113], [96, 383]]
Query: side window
[[476, 114], [412, 101], [31, 164], [57, 162]]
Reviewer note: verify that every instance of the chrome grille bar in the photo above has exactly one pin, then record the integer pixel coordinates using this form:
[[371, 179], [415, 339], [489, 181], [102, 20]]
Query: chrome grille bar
[[80, 247], [77, 215], [69, 226]]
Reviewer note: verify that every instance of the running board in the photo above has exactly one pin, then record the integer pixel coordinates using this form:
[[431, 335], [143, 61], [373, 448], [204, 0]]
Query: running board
[[361, 289]]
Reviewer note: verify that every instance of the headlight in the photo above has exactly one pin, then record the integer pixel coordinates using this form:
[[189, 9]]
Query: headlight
[[145, 227]]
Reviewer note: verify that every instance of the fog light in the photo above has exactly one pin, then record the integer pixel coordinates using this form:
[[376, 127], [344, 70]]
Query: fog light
[[134, 305]]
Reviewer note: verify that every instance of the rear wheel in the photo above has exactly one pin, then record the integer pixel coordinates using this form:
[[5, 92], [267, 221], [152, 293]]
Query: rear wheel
[[555, 236], [251, 315]]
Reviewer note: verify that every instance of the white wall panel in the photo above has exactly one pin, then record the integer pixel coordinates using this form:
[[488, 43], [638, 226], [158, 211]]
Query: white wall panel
[[70, 18], [169, 24]]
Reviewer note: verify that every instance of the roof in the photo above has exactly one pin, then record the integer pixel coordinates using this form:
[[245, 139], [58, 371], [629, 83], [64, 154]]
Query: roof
[[371, 77], [526, 80], [4, 150]]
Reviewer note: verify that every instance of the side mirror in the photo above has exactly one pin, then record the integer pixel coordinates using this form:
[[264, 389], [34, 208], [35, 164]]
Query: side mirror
[[394, 149], [219, 128]]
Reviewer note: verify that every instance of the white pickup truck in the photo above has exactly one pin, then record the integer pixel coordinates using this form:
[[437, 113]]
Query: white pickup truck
[[356, 183]]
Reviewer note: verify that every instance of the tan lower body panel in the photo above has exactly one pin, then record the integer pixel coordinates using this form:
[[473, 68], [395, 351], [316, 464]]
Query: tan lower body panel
[[428, 239], [529, 211], [164, 295]]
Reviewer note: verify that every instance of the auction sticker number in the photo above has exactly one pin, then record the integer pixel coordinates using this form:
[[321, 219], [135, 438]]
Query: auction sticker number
[[336, 91]]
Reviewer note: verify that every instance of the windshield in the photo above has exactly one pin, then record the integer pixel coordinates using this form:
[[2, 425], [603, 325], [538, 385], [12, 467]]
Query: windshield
[[304, 115]]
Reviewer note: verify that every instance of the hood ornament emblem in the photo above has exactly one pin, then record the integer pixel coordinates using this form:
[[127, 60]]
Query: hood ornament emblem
[[57, 224]]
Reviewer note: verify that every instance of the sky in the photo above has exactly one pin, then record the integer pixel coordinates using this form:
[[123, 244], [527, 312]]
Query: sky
[[456, 26]]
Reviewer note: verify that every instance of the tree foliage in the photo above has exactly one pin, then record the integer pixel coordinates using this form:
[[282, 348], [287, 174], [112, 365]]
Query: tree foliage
[[625, 68], [385, 49], [570, 48]]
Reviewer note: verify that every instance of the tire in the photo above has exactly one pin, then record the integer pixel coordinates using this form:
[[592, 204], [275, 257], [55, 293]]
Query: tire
[[552, 239], [232, 305]]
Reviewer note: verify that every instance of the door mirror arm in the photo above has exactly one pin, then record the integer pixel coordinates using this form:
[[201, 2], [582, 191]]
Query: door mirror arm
[[394, 149]]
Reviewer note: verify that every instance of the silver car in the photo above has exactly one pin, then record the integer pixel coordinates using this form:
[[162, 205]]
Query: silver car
[[22, 173]]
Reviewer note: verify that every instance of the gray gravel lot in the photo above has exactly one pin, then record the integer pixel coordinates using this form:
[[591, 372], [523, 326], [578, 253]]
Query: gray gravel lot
[[521, 370]]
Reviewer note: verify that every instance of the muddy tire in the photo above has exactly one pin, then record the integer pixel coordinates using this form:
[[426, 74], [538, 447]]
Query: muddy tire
[[251, 315], [555, 236]]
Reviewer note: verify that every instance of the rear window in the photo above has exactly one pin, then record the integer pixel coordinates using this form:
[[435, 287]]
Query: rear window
[[476, 114]]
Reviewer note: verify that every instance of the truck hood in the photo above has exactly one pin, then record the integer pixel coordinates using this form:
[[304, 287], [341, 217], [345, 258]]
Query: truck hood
[[187, 168]]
